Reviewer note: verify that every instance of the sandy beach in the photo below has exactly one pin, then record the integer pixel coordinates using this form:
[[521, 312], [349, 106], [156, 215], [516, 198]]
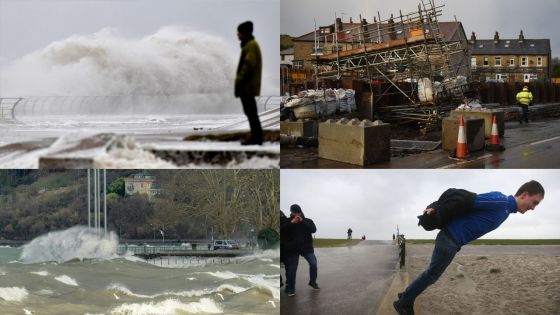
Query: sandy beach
[[492, 280]]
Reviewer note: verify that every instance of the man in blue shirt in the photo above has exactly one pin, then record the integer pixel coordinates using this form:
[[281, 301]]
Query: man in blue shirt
[[489, 211]]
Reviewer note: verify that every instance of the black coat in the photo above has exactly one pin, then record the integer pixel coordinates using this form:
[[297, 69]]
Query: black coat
[[297, 238], [451, 204]]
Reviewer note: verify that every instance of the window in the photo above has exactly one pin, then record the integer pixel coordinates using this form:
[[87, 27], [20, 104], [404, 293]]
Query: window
[[473, 62], [298, 64], [512, 62], [539, 61], [501, 77], [524, 61], [497, 61], [485, 61]]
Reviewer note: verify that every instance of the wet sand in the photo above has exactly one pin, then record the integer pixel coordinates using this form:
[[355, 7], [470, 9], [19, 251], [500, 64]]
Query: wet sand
[[491, 280]]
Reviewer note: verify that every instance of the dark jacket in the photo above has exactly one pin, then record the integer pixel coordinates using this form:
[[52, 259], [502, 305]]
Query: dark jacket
[[249, 70], [283, 221], [296, 238], [451, 204]]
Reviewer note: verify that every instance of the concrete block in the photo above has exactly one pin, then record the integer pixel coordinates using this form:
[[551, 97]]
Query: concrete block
[[299, 128], [484, 114], [354, 141], [474, 129]]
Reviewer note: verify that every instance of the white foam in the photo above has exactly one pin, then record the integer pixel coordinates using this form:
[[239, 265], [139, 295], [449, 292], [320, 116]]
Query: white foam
[[40, 273], [78, 242], [191, 293], [266, 284], [44, 292], [27, 312], [13, 294], [67, 280], [275, 265], [169, 307], [221, 274]]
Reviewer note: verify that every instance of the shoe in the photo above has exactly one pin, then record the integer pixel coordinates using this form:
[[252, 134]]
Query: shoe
[[315, 286], [291, 292], [403, 309]]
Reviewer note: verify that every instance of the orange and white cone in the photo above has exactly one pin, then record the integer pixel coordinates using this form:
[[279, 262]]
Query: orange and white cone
[[494, 138], [462, 152]]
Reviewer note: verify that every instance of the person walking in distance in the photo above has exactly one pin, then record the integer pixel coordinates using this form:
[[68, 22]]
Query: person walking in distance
[[296, 235], [487, 212], [248, 80]]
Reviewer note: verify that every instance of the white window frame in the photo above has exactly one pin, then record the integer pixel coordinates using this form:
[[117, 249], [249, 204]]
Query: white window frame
[[298, 64], [500, 76], [512, 61], [526, 58], [539, 61], [485, 61], [497, 61], [473, 62]]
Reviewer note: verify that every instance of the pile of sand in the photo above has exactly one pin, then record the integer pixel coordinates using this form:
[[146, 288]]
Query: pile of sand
[[501, 284]]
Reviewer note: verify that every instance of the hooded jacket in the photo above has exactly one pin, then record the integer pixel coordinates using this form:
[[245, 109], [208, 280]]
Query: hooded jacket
[[296, 238], [451, 204]]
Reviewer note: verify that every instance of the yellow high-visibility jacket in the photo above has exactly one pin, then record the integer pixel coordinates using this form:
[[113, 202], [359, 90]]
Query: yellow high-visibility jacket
[[524, 97]]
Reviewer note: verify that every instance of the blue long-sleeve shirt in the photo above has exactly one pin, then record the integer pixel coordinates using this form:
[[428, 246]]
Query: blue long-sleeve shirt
[[490, 210]]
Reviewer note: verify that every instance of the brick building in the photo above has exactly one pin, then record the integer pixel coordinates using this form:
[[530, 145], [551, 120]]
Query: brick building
[[510, 60], [142, 183]]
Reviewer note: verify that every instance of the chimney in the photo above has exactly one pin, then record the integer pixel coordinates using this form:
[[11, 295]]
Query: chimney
[[473, 38], [338, 24], [496, 38], [351, 21], [521, 37], [364, 22]]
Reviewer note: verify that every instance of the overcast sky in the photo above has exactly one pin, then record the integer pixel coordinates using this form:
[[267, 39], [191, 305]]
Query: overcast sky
[[30, 25], [537, 19], [374, 202]]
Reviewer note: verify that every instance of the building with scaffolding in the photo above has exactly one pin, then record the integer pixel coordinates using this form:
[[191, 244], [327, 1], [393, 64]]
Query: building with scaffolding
[[398, 66]]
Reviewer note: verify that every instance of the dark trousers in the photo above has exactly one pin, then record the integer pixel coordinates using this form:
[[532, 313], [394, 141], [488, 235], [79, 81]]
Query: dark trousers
[[250, 110], [291, 269], [525, 113], [445, 250]]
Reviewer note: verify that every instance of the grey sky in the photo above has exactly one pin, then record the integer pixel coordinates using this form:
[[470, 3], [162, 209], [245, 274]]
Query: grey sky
[[373, 202], [29, 25], [537, 19]]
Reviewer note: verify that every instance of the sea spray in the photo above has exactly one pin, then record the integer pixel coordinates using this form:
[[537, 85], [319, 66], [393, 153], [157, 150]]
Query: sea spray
[[170, 63], [78, 242]]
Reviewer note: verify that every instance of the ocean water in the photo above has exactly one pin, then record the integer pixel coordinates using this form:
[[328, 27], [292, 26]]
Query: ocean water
[[62, 283]]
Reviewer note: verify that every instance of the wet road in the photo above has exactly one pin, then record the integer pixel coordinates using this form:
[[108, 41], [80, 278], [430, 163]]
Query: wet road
[[353, 280], [536, 145]]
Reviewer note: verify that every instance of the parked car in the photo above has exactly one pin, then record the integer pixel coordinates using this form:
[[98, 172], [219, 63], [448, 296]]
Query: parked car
[[225, 244]]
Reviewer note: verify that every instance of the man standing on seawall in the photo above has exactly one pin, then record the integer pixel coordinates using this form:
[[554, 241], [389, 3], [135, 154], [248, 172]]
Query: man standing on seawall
[[248, 80], [488, 212], [296, 237]]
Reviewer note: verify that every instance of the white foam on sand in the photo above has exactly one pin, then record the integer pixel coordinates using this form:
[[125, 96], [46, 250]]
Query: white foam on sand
[[169, 307], [40, 273], [67, 280], [13, 294]]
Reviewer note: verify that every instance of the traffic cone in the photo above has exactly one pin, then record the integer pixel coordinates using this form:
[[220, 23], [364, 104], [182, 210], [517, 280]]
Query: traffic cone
[[462, 152], [495, 138]]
